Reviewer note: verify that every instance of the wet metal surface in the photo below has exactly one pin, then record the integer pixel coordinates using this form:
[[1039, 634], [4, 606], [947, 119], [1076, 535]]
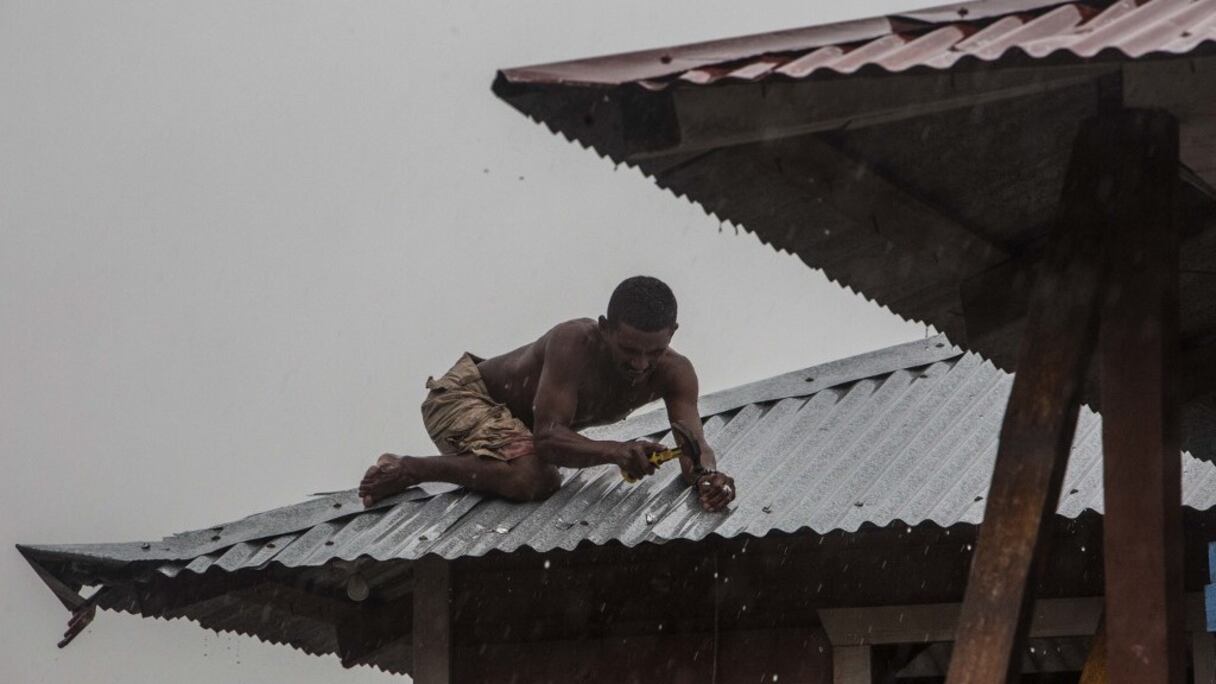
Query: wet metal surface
[[935, 38], [908, 433]]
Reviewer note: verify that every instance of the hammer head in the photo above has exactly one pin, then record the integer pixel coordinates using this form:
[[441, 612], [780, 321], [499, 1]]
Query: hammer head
[[688, 444]]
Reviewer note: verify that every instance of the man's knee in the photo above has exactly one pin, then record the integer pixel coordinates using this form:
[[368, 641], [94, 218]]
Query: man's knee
[[533, 483]]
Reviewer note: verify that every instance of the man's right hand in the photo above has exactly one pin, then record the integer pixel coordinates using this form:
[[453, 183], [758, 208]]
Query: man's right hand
[[634, 457]]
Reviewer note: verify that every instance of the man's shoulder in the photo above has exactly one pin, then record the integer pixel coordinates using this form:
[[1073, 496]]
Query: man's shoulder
[[675, 370], [579, 330]]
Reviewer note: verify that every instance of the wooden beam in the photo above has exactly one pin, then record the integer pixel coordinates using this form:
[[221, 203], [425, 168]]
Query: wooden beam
[[1094, 671], [851, 665], [1142, 474], [922, 623], [740, 113], [913, 624], [432, 620], [1038, 428], [881, 207]]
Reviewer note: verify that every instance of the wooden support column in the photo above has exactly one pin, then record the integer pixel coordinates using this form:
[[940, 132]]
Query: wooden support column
[[1039, 422], [1095, 663], [851, 665], [1203, 657], [432, 620], [1139, 347]]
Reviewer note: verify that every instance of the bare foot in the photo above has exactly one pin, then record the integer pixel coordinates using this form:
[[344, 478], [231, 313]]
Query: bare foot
[[391, 475]]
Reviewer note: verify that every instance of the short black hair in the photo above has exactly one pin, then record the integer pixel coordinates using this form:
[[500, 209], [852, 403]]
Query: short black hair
[[644, 303]]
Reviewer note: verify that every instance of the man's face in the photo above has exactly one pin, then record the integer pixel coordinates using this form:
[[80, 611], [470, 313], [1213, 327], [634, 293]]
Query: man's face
[[635, 353]]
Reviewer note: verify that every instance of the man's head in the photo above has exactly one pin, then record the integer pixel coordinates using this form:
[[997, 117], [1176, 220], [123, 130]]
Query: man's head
[[640, 322]]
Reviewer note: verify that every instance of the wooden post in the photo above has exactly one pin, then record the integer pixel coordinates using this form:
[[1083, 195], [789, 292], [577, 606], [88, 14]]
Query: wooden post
[[1094, 671], [851, 665], [1142, 472], [432, 620], [1038, 428]]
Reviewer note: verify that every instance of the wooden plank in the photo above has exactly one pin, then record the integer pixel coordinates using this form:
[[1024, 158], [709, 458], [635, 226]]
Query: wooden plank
[[432, 620], [1139, 346], [1037, 431], [1051, 618], [851, 665]]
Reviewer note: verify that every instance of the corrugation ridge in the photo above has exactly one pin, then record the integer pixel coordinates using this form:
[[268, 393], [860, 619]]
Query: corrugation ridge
[[965, 450], [899, 471], [434, 518], [1170, 25], [785, 456], [924, 47], [883, 429], [1054, 22], [303, 546], [976, 474], [839, 429], [990, 34], [1117, 27], [236, 556], [1084, 473], [771, 425], [1200, 488]]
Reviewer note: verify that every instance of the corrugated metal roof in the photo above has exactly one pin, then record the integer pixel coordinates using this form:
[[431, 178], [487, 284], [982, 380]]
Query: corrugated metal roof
[[908, 433], [935, 38]]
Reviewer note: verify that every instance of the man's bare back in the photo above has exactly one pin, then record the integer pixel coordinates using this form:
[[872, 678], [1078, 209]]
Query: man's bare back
[[580, 373], [605, 394]]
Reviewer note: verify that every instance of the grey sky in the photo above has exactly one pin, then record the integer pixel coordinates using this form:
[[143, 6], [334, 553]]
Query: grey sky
[[235, 238]]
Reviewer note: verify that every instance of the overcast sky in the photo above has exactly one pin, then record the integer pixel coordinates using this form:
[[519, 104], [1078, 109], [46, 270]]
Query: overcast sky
[[235, 238]]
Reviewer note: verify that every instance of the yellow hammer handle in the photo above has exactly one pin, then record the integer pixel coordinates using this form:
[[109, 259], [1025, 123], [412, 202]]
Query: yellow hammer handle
[[658, 458]]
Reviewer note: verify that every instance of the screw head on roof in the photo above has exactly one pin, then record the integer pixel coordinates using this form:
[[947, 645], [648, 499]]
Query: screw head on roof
[[858, 504], [1073, 491], [215, 537], [337, 505], [666, 59], [963, 11], [145, 547], [357, 588], [809, 379]]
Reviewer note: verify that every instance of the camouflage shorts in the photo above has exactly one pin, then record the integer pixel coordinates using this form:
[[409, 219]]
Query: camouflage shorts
[[462, 418]]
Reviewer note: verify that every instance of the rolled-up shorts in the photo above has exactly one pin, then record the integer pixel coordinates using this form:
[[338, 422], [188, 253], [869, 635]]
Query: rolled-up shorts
[[462, 418]]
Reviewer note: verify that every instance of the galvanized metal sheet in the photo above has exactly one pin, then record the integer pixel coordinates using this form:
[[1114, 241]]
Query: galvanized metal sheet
[[904, 434], [935, 38]]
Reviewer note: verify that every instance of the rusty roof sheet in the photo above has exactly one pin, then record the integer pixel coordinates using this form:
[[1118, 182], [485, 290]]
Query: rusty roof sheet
[[907, 434], [936, 38]]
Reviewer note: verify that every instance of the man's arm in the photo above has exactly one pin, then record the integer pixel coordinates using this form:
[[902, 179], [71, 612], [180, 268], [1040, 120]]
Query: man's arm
[[715, 490], [554, 408]]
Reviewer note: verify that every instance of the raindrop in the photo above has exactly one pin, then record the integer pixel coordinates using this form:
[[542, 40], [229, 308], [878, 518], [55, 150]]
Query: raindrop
[[1082, 549], [546, 565]]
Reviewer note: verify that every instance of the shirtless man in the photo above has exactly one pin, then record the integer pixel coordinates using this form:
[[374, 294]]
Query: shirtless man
[[503, 425]]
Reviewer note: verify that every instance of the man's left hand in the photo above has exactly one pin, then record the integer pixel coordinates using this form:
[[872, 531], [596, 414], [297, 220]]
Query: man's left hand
[[715, 491]]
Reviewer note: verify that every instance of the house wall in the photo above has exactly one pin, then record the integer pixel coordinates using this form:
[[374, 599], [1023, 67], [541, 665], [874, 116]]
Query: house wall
[[750, 656]]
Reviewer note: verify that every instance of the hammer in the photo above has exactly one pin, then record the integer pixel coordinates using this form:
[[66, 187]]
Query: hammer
[[687, 442]]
